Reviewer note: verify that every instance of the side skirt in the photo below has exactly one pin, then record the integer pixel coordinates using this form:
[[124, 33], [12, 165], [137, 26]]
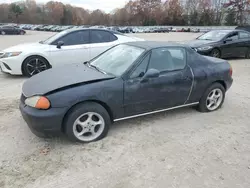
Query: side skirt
[[157, 111]]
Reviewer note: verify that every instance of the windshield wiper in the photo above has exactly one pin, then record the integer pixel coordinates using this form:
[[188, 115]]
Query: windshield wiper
[[41, 42], [90, 65]]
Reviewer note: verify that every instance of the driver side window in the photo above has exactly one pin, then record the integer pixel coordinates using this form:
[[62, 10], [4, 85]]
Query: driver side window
[[233, 36], [75, 38]]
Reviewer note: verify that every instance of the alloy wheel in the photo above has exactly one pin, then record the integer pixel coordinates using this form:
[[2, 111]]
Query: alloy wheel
[[88, 126], [35, 66], [214, 99], [215, 53]]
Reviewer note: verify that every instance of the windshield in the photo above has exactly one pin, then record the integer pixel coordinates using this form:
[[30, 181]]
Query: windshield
[[53, 38], [118, 59], [213, 35]]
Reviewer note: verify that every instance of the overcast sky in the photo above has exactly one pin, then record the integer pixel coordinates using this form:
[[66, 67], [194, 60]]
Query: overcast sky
[[105, 5]]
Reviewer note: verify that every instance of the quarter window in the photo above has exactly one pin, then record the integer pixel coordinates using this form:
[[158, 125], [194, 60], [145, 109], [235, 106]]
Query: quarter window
[[98, 36], [168, 59]]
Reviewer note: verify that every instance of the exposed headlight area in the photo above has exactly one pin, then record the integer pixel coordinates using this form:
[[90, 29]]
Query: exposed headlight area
[[204, 48], [9, 54], [38, 102]]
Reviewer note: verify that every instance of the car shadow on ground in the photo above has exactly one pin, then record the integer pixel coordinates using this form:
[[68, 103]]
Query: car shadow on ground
[[235, 58], [150, 119], [9, 76], [117, 127]]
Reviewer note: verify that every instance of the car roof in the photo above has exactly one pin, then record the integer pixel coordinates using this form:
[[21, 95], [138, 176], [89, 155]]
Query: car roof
[[80, 29], [228, 30], [155, 44]]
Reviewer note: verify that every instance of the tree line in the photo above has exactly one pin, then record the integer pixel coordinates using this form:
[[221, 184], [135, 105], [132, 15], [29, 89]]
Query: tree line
[[134, 13]]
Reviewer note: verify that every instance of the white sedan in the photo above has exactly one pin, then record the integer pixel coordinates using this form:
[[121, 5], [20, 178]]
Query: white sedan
[[70, 46]]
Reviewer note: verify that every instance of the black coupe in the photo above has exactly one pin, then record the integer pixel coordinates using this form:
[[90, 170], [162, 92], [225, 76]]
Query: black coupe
[[10, 30], [223, 43], [126, 81]]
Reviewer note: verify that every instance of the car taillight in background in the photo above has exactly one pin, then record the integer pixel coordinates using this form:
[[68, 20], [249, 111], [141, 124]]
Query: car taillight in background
[[231, 71]]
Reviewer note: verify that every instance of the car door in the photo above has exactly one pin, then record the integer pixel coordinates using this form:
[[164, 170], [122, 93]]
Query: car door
[[170, 89], [74, 50], [229, 47], [16, 30], [244, 43], [11, 30], [101, 40]]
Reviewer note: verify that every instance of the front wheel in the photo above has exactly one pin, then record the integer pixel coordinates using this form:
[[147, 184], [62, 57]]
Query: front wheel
[[87, 122], [212, 99], [34, 65], [3, 33], [216, 53]]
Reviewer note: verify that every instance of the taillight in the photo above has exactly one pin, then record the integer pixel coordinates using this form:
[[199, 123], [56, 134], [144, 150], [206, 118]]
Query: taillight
[[231, 71]]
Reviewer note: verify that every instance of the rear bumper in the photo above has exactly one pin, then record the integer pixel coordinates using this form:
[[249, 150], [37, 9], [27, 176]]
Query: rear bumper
[[229, 83], [43, 123]]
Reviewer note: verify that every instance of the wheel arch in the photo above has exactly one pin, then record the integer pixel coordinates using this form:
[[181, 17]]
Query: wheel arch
[[34, 55], [223, 83], [103, 104]]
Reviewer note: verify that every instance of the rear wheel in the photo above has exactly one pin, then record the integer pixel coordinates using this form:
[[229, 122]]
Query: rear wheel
[[216, 53], [21, 33], [212, 99], [34, 65], [87, 122]]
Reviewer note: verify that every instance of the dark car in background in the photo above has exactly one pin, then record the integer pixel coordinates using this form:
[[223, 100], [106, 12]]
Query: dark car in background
[[126, 81], [11, 30], [223, 43], [161, 30], [246, 28]]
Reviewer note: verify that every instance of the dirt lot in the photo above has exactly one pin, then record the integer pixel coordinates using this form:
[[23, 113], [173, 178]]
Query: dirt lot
[[177, 149]]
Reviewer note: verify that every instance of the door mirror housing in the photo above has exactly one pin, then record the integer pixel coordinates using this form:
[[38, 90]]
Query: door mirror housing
[[228, 40], [151, 73], [59, 44]]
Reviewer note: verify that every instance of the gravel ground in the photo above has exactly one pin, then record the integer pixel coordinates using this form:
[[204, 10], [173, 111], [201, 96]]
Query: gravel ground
[[178, 149]]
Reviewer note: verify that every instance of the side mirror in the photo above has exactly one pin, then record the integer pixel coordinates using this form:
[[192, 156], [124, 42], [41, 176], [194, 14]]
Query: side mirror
[[59, 44], [228, 40], [151, 73]]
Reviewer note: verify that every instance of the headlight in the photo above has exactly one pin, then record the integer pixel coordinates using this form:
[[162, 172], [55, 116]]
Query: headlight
[[38, 102], [10, 54], [204, 48]]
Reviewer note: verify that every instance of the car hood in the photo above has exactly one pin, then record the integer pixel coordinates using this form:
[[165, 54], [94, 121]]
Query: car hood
[[199, 43], [60, 77], [27, 46]]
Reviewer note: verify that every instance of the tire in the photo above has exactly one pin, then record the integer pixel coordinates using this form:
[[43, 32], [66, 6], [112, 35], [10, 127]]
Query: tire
[[203, 103], [247, 56], [82, 112], [216, 53], [3, 33], [29, 65]]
